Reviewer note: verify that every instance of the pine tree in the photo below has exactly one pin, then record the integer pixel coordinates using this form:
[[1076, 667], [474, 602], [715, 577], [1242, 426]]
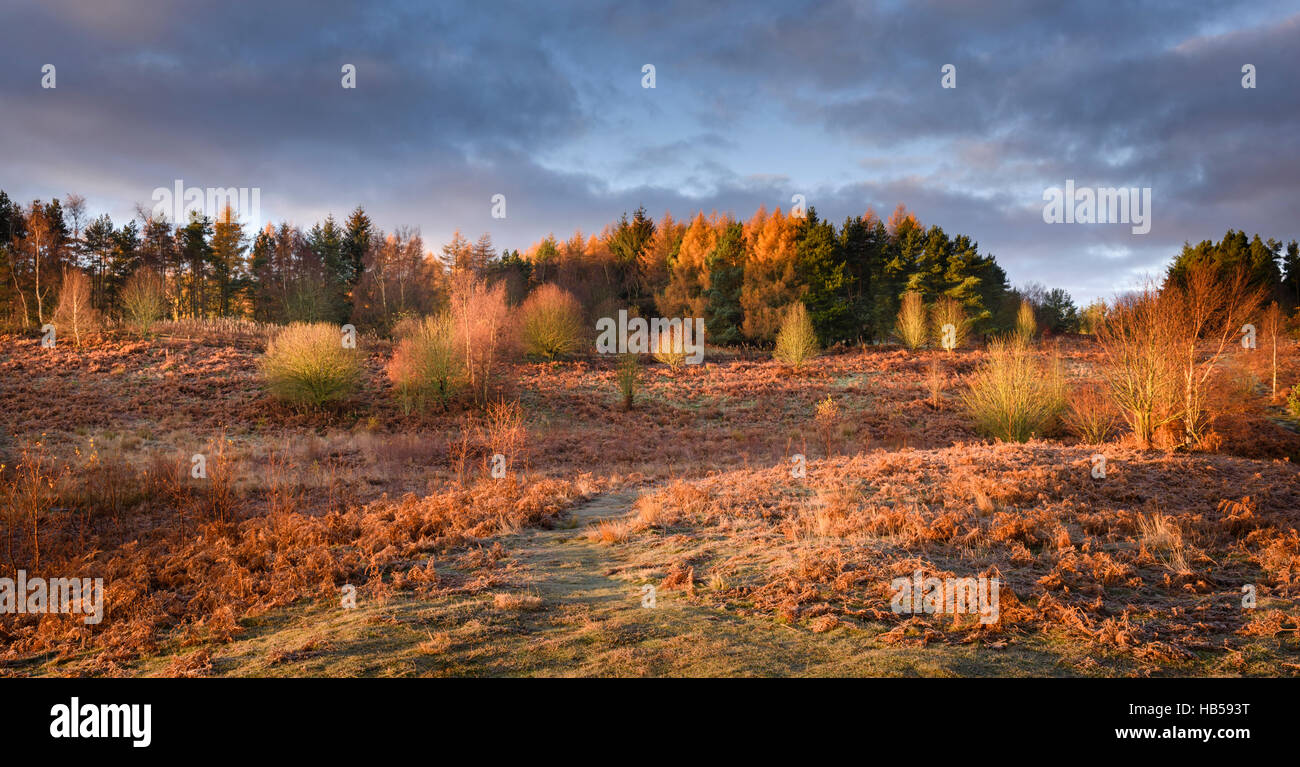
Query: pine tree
[[927, 275], [1291, 282], [822, 270], [859, 244], [723, 316], [457, 254], [358, 232], [98, 244], [326, 243], [1233, 252], [124, 262], [228, 248], [482, 254], [195, 253], [627, 244]]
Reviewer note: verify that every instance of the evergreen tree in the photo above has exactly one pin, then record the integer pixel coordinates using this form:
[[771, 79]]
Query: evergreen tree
[[124, 262], [358, 233], [928, 272], [228, 248], [99, 244], [325, 241], [196, 254], [1233, 252], [1291, 282], [723, 316], [860, 246], [821, 269], [628, 244], [265, 306], [1058, 312]]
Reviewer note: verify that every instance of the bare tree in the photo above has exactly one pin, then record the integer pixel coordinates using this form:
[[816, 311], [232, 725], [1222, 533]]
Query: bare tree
[[1140, 368], [144, 299], [75, 310], [1272, 328], [1205, 312]]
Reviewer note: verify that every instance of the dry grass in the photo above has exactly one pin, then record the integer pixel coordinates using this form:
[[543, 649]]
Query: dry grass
[[1160, 535], [910, 326], [516, 602], [936, 380], [1074, 562], [948, 311], [1090, 414], [198, 573], [305, 501], [1015, 395], [629, 365], [612, 530]]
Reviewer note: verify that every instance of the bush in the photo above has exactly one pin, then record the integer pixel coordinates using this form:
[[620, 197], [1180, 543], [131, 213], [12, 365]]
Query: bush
[[911, 321], [935, 380], [427, 367], [670, 347], [74, 311], [1293, 402], [628, 365], [1090, 415], [307, 365], [796, 341], [827, 420], [949, 311], [1026, 324], [1137, 344], [552, 322], [144, 300], [484, 333], [1015, 396], [219, 331], [505, 432]]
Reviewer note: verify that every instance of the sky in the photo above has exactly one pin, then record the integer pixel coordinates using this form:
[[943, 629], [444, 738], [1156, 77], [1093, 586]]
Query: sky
[[754, 102]]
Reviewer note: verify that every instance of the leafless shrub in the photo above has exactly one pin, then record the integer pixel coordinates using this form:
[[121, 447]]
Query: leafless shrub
[[74, 311]]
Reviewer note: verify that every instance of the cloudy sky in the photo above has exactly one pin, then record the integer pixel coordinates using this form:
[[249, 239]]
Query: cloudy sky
[[753, 102]]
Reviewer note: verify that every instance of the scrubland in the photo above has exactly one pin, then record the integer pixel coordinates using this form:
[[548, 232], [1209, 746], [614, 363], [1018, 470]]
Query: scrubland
[[542, 568]]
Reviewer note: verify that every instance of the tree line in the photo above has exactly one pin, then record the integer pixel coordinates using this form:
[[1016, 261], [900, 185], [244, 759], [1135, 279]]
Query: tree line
[[740, 276]]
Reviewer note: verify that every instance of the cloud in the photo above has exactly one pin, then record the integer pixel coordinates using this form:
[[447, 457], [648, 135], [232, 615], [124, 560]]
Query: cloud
[[838, 100]]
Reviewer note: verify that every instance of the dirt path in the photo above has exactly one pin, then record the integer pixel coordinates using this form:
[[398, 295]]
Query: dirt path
[[567, 570], [591, 620], [573, 607]]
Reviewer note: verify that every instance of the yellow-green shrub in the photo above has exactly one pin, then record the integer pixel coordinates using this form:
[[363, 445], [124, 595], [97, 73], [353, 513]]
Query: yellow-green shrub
[[552, 322], [427, 367], [796, 341], [307, 365], [1015, 395]]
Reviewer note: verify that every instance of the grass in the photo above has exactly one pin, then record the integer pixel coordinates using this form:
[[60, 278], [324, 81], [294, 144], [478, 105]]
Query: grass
[[1015, 395], [757, 573]]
